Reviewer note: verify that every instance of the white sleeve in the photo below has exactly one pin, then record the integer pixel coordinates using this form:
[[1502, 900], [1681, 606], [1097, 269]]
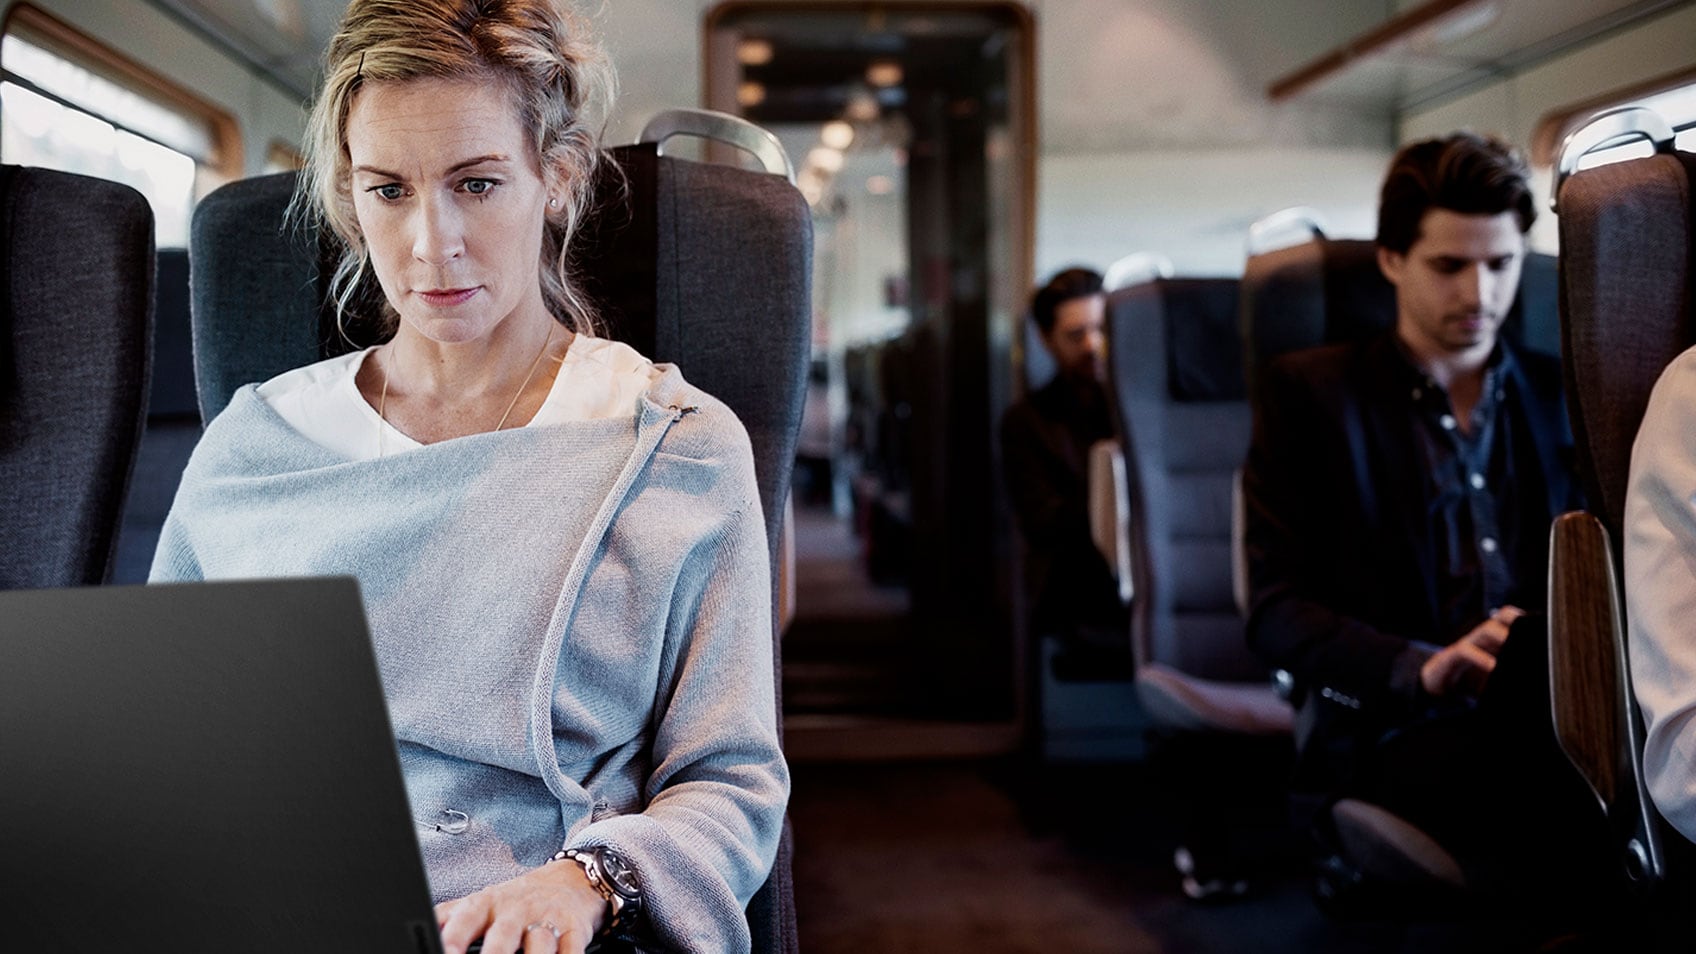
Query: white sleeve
[[1660, 589]]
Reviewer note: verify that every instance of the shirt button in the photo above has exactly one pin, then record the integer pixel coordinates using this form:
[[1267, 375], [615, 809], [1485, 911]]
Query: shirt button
[[1448, 422], [1477, 481], [1488, 544]]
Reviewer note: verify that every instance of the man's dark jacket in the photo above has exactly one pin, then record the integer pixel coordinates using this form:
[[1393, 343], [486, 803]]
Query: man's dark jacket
[[1045, 444], [1339, 541]]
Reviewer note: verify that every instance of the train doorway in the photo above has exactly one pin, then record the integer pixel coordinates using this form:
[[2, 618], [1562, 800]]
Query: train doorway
[[912, 128]]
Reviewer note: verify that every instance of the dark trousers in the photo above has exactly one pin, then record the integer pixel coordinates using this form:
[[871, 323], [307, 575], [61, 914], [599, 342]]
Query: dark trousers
[[1490, 783]]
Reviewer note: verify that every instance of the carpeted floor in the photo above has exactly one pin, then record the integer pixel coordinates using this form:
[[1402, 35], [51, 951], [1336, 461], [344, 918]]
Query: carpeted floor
[[934, 858]]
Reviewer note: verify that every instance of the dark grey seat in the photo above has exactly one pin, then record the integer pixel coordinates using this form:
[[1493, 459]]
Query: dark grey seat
[[76, 356], [708, 267], [173, 421], [1184, 421], [1627, 240]]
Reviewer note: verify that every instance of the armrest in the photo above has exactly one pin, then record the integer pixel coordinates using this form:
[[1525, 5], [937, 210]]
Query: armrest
[[1110, 512], [1595, 712]]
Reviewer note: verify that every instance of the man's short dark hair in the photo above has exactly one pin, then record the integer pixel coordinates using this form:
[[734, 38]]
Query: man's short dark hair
[[1463, 172], [1063, 287]]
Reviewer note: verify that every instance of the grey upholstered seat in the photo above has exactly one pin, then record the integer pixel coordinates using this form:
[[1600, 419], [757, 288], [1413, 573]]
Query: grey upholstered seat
[[708, 267], [1628, 242], [76, 354], [1183, 418], [173, 421]]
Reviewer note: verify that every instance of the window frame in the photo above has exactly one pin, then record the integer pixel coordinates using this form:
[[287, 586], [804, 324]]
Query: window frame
[[43, 29]]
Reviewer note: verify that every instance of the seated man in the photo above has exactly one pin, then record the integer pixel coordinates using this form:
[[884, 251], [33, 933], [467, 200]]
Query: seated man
[[1399, 496], [1045, 442]]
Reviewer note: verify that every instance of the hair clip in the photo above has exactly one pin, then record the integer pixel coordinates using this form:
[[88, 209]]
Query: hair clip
[[359, 74]]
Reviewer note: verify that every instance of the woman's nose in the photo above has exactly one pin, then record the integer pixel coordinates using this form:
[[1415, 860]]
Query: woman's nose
[[439, 235]]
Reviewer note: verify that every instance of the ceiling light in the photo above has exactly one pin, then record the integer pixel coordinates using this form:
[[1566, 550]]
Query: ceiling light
[[862, 106], [884, 73], [754, 52], [825, 158], [750, 94], [837, 135]]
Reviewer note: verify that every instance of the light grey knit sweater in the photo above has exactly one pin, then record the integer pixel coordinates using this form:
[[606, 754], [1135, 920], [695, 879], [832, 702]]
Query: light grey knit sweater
[[573, 627]]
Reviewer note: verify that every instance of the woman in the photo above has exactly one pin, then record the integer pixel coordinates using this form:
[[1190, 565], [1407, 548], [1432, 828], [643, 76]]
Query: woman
[[559, 543]]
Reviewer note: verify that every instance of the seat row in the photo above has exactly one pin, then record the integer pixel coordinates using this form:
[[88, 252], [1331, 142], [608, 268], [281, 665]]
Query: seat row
[[1616, 308]]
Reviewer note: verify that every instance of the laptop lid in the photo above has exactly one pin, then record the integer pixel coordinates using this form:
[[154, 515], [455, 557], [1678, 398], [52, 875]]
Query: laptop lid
[[203, 767]]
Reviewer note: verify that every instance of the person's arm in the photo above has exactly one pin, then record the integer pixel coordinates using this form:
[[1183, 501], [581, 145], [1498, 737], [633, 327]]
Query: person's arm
[[1290, 534], [1660, 589], [716, 792], [719, 784]]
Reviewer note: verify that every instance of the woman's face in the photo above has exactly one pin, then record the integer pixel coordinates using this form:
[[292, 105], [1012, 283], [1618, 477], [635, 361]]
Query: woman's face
[[452, 204]]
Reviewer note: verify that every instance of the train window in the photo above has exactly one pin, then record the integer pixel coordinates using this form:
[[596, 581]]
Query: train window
[[282, 157], [1678, 106], [69, 103]]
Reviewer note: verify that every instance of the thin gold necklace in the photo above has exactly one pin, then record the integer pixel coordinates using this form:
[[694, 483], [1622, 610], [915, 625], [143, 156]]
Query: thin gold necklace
[[383, 398]]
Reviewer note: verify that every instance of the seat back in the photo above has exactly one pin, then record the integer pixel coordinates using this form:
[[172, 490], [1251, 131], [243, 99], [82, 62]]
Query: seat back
[[1625, 307], [1626, 312], [1183, 419], [735, 316], [74, 363]]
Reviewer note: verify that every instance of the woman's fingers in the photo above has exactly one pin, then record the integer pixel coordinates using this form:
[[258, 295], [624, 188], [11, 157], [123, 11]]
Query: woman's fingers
[[463, 921]]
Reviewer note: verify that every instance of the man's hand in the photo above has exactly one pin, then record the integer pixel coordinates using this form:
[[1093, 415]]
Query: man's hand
[[1465, 663], [549, 909]]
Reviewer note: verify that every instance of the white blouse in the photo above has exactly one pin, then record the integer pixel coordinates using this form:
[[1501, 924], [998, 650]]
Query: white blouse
[[597, 379], [1660, 589]]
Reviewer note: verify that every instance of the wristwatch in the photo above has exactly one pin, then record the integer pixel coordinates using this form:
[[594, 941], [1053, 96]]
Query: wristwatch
[[610, 874]]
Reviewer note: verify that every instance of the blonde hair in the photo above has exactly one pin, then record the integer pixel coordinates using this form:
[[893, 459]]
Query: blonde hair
[[560, 81]]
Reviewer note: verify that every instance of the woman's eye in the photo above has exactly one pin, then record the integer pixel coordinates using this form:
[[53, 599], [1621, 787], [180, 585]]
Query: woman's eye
[[391, 192], [479, 186]]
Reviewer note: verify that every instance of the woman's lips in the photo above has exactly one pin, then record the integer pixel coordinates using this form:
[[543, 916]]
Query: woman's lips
[[443, 297]]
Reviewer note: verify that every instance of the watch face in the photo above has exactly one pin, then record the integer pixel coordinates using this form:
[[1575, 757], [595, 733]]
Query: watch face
[[619, 874]]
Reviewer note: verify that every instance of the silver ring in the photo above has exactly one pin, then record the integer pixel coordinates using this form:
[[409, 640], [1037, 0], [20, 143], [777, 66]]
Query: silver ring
[[548, 925]]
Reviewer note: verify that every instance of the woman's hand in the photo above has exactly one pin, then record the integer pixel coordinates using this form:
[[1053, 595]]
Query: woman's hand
[[547, 910]]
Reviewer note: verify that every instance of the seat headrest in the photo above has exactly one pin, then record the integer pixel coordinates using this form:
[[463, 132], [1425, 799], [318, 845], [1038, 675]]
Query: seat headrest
[[1198, 317], [1318, 292], [1331, 291]]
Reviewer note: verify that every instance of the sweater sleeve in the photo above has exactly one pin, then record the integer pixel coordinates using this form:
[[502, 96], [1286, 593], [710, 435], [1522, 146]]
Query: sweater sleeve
[[719, 785], [174, 561], [1660, 590]]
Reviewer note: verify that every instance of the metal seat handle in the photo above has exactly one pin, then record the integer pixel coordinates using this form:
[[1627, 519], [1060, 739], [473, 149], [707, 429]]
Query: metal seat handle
[[1614, 127], [720, 127], [1136, 269], [1263, 233]]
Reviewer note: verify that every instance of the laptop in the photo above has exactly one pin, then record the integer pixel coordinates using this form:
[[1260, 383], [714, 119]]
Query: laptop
[[202, 767]]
